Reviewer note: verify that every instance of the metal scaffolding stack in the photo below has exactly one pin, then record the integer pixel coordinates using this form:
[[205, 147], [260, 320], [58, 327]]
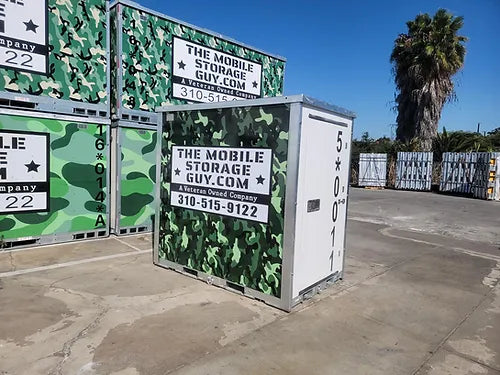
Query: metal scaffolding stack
[[472, 173], [414, 171], [372, 170]]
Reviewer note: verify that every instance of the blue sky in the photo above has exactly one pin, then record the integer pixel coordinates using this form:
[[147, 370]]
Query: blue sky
[[338, 51]]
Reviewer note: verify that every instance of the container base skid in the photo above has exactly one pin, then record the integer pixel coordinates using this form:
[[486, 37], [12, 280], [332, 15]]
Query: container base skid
[[137, 118], [248, 292], [51, 239], [49, 105], [133, 230], [317, 288]]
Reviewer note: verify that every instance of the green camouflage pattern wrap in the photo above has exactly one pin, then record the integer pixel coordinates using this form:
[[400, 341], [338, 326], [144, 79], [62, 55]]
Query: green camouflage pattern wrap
[[77, 55], [113, 20], [244, 252], [147, 57], [78, 201], [138, 176]]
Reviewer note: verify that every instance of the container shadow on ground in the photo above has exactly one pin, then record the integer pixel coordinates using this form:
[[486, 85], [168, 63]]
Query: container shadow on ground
[[409, 304]]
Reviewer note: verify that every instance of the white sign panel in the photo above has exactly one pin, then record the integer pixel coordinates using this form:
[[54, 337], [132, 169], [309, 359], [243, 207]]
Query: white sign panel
[[24, 172], [204, 74], [227, 181], [24, 35]]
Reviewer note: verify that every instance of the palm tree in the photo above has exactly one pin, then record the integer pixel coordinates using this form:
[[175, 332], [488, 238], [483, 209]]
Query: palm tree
[[424, 61]]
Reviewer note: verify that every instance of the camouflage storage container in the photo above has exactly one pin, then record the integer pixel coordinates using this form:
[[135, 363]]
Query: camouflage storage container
[[253, 195], [134, 164], [53, 178], [54, 56], [160, 61]]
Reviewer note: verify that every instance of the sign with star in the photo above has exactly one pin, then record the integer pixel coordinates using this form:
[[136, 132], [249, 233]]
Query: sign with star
[[24, 35], [24, 172], [227, 181], [205, 74]]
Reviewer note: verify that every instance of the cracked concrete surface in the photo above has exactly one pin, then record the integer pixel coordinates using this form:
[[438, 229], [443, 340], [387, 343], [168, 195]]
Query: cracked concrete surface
[[65, 352], [473, 219], [412, 302], [12, 262]]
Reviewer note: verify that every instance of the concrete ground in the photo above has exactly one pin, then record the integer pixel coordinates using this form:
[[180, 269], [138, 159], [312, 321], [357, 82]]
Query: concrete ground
[[421, 295]]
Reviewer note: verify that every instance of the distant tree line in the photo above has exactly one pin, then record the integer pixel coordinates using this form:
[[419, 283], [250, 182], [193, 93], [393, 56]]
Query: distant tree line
[[453, 141]]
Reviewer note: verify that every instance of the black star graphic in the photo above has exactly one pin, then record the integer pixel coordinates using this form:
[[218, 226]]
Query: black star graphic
[[337, 164], [181, 64], [260, 180], [100, 208], [254, 84], [32, 167], [99, 156], [30, 26], [177, 172]]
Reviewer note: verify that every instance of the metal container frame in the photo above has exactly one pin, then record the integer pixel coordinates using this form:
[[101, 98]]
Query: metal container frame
[[286, 302]]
